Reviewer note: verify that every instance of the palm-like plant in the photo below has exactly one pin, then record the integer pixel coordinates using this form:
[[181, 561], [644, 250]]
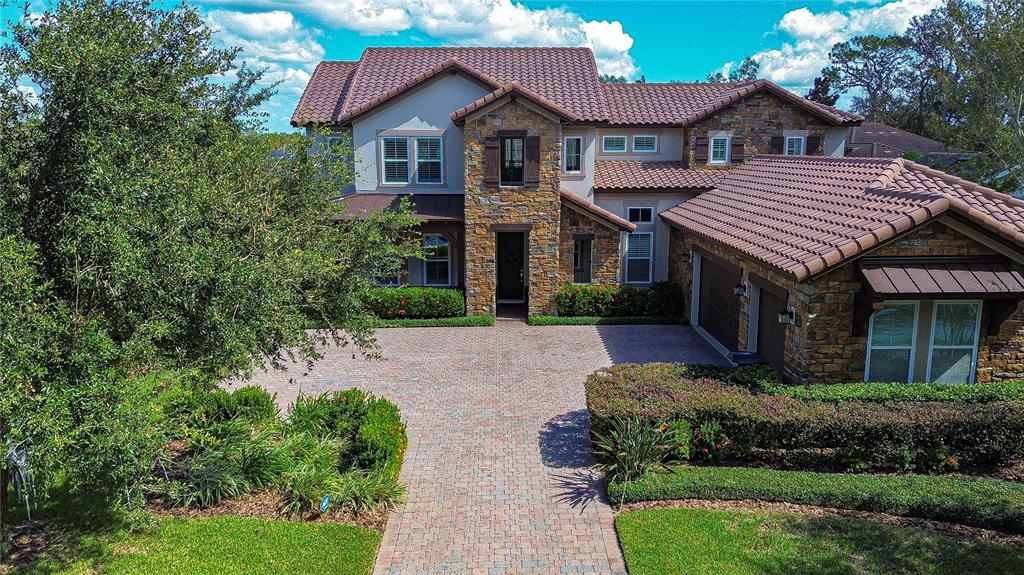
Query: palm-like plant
[[634, 446]]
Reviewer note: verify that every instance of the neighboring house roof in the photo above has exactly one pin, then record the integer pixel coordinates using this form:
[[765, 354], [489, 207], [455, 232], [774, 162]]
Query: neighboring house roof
[[804, 215], [563, 77], [877, 140], [596, 212], [627, 175], [511, 90], [427, 207]]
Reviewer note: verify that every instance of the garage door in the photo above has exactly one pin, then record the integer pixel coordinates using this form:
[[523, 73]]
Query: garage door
[[719, 312], [771, 335]]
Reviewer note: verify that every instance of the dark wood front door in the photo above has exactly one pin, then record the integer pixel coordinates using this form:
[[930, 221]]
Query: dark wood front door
[[719, 312], [771, 335], [511, 266]]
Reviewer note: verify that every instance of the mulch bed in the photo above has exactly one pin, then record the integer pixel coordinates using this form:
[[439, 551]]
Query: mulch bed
[[30, 539], [952, 529]]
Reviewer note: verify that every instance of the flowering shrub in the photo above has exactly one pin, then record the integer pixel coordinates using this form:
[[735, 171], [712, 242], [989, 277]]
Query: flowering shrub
[[661, 299], [414, 302], [633, 446], [710, 442]]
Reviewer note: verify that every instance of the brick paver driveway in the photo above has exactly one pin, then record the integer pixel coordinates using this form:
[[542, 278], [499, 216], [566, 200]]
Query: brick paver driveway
[[497, 467]]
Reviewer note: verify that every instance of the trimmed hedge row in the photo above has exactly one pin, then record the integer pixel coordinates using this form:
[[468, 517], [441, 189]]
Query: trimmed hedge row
[[923, 436], [662, 299], [458, 321], [598, 320], [883, 392], [986, 503], [414, 302]]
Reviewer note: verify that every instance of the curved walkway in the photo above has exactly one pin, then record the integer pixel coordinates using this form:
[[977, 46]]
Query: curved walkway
[[497, 466]]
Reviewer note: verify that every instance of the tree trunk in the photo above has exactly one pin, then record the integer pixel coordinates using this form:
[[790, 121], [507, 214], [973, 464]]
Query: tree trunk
[[4, 528]]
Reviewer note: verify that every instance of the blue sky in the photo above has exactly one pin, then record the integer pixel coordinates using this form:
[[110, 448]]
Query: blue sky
[[664, 41]]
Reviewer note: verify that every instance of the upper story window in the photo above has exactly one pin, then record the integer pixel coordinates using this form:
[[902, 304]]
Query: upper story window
[[395, 156], [429, 169], [512, 160], [719, 147], [613, 144], [645, 143], [573, 154], [640, 215], [795, 145]]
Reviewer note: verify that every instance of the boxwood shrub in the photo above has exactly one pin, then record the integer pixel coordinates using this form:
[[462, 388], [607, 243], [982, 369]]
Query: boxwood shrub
[[661, 299], [883, 392], [898, 436], [414, 302]]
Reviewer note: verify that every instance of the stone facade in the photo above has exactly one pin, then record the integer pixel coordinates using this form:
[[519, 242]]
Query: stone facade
[[754, 120], [537, 207], [820, 346], [606, 254]]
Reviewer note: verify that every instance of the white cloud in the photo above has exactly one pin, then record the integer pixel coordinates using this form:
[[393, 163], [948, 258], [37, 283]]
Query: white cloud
[[802, 23], [30, 93]]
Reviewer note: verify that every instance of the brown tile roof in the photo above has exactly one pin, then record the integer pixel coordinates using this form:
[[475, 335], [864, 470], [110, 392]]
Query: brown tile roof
[[644, 175], [428, 207], [595, 211], [325, 93], [931, 277], [512, 89], [805, 214], [877, 140]]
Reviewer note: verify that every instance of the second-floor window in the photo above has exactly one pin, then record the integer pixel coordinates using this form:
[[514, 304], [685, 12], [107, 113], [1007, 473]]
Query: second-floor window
[[719, 150], [395, 155], [428, 160], [613, 144], [645, 143], [512, 160], [794, 145], [573, 154]]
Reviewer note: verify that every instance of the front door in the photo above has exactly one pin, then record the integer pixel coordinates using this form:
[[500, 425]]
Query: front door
[[511, 267]]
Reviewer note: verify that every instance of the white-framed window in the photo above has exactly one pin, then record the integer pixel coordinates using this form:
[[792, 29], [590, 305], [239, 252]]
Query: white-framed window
[[718, 150], [640, 215], [953, 347], [639, 252], [795, 145], [394, 153], [645, 143], [892, 334], [429, 160], [582, 256], [436, 260], [337, 146], [613, 144], [573, 154]]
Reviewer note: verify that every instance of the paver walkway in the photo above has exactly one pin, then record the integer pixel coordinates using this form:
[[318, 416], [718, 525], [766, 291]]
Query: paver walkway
[[497, 466]]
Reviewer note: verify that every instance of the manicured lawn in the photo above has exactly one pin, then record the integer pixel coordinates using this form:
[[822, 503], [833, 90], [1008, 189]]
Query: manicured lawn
[[719, 542], [221, 545]]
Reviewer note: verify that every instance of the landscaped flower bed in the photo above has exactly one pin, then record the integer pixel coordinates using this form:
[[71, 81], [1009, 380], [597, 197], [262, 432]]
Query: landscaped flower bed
[[415, 302], [661, 299]]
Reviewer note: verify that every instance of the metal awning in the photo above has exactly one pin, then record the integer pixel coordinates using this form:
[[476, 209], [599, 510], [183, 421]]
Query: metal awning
[[910, 278], [428, 207]]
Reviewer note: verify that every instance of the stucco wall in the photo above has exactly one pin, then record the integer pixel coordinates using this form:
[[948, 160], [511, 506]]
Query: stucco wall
[[618, 204], [670, 142], [582, 184]]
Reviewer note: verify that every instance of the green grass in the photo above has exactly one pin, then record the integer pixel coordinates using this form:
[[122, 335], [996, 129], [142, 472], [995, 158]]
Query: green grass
[[598, 320], [716, 542], [884, 392], [458, 321], [988, 503]]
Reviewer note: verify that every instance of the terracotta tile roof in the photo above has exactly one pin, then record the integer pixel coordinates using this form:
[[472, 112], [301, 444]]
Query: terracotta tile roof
[[877, 140], [511, 89], [805, 214], [645, 175], [428, 207], [325, 93], [595, 211]]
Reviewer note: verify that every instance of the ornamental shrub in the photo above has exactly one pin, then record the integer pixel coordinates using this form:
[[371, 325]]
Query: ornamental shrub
[[888, 392], [414, 302], [255, 404], [380, 440], [661, 299]]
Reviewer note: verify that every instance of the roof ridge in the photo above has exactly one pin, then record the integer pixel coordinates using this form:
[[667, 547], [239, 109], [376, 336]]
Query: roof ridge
[[966, 184]]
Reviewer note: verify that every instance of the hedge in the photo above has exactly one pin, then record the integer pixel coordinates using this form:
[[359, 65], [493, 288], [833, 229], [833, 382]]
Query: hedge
[[899, 436], [597, 320], [986, 503], [661, 299], [459, 321], [414, 302], [883, 392]]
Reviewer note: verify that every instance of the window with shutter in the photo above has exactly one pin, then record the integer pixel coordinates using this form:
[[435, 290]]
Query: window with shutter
[[513, 160], [428, 161], [700, 149], [777, 144], [573, 154], [638, 257], [719, 150], [813, 145], [395, 157], [794, 145], [532, 166], [492, 162], [736, 152]]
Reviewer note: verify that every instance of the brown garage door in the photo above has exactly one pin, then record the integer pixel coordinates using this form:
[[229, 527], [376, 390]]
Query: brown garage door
[[771, 335], [719, 312]]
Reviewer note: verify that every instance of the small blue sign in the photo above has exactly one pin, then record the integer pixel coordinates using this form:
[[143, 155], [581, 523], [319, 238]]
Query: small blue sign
[[325, 503]]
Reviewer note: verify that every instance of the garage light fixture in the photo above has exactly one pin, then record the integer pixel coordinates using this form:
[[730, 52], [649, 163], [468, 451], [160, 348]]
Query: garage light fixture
[[686, 258], [787, 316], [740, 289]]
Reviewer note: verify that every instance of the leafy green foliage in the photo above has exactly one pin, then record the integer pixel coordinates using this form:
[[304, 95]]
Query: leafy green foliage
[[633, 446], [598, 320], [458, 321], [710, 442], [255, 404], [987, 503], [661, 299], [889, 392], [414, 302]]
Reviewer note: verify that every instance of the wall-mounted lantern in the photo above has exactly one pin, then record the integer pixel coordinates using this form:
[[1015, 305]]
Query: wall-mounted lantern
[[787, 316], [740, 289]]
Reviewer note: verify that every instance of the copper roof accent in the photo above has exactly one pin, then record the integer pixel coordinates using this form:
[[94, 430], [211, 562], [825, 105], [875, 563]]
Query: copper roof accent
[[511, 90], [806, 214], [428, 207], [628, 175], [596, 212], [325, 93], [915, 277]]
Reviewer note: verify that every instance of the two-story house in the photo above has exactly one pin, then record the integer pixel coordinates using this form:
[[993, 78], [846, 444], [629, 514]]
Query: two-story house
[[529, 173]]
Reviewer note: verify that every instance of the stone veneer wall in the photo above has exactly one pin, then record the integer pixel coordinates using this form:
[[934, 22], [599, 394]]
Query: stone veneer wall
[[820, 346], [538, 206], [606, 246], [755, 120]]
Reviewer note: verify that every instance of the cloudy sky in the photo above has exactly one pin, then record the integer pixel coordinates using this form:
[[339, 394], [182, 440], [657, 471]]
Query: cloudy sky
[[664, 41]]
